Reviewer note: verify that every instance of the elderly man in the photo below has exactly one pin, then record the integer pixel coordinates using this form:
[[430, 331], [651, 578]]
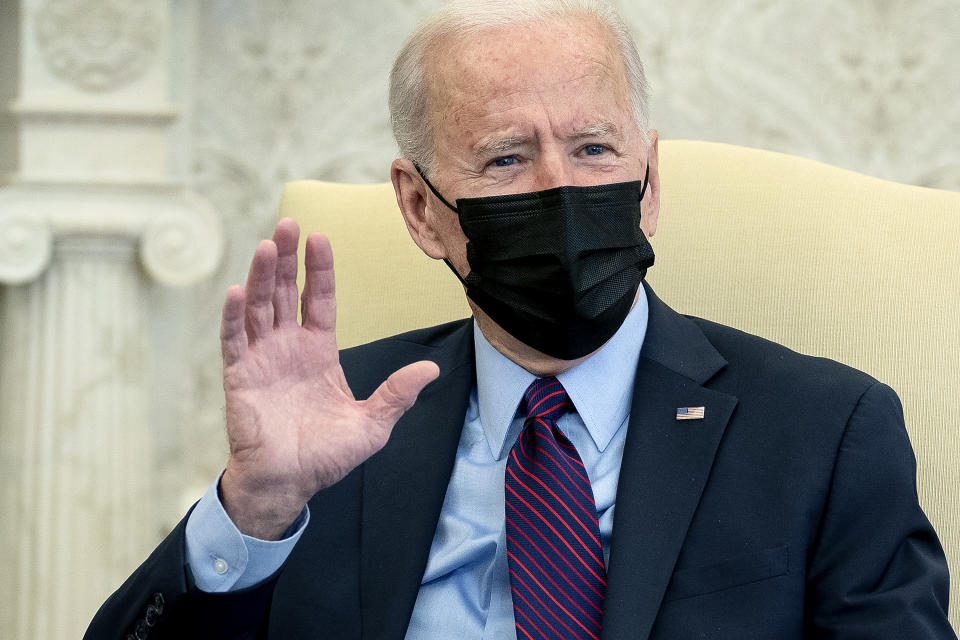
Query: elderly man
[[582, 462]]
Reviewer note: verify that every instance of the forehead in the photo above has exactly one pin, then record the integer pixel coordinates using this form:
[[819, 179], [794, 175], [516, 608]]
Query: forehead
[[568, 70]]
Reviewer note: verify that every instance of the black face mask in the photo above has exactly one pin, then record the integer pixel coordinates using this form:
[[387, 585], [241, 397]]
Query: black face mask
[[557, 269]]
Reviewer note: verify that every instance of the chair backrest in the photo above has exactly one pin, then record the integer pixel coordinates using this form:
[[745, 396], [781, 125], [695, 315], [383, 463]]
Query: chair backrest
[[826, 261]]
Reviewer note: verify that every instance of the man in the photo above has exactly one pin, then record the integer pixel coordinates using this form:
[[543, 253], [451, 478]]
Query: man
[[581, 462]]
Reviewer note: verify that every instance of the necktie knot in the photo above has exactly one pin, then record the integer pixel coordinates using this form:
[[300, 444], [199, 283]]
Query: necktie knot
[[546, 398]]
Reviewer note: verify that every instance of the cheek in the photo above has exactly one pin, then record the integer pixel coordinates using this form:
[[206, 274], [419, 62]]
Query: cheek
[[452, 238], [648, 217], [448, 227], [647, 226]]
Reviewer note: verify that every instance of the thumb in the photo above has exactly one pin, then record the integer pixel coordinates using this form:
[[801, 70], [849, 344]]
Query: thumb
[[398, 392]]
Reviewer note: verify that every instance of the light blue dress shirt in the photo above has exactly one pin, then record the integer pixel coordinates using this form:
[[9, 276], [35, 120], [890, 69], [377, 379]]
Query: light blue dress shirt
[[465, 592]]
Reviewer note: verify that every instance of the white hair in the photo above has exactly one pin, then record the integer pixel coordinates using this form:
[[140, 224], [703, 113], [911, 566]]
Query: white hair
[[412, 126]]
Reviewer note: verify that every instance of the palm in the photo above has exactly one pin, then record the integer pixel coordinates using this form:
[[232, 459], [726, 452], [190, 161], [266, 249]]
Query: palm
[[293, 424], [284, 402]]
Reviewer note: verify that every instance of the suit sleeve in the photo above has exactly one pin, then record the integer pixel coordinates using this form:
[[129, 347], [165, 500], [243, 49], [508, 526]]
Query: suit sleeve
[[877, 570], [160, 601]]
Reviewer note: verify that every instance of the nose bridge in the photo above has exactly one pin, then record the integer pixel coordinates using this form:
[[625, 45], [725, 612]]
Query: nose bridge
[[554, 168]]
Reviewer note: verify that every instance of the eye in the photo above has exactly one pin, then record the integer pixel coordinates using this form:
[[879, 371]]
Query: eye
[[505, 161], [594, 149]]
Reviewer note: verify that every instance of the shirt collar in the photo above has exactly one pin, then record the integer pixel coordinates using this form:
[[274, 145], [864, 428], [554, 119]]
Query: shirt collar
[[600, 387]]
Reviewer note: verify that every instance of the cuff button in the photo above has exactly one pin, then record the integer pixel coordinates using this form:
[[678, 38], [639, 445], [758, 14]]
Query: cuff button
[[220, 566]]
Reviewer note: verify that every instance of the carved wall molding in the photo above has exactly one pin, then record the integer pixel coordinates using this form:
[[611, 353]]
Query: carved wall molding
[[37, 113], [98, 45]]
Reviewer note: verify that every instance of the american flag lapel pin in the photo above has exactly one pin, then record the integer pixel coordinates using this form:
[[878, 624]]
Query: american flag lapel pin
[[690, 413]]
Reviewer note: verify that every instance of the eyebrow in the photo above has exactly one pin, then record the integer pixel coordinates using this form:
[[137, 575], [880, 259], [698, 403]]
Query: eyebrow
[[597, 129], [492, 146]]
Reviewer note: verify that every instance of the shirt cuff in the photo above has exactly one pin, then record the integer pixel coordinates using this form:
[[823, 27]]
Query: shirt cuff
[[223, 559]]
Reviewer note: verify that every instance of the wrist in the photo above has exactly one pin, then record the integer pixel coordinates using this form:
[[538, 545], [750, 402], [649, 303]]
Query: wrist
[[259, 512]]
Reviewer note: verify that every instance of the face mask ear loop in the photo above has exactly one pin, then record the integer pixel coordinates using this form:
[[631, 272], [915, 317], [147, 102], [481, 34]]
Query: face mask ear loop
[[643, 189], [455, 272], [451, 207], [434, 190]]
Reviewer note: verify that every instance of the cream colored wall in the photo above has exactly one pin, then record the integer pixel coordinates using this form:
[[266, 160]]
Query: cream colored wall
[[246, 94]]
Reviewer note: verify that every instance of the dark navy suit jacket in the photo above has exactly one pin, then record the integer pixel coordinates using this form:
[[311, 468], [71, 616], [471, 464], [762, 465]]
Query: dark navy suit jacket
[[790, 511]]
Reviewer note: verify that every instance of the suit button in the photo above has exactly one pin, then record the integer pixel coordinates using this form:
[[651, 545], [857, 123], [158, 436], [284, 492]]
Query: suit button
[[158, 602], [151, 615], [130, 636], [140, 631]]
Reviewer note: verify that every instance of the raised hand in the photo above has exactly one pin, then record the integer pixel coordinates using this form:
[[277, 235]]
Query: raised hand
[[293, 424]]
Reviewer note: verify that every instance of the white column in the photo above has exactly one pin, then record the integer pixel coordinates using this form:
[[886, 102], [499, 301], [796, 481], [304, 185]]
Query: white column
[[91, 214]]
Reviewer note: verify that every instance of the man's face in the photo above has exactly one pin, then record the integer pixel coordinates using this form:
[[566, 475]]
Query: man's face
[[528, 108]]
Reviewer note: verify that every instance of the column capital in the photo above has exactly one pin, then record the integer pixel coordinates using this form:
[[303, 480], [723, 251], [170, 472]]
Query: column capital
[[26, 244], [179, 235]]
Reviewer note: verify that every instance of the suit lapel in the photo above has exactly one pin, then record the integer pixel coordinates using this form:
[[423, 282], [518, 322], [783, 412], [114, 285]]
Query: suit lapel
[[403, 491], [666, 463], [665, 466]]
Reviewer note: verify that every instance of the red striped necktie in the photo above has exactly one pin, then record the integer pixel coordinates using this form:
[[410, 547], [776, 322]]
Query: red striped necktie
[[557, 575]]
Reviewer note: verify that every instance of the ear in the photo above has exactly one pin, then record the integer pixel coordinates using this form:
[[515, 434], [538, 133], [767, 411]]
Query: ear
[[650, 206], [412, 198]]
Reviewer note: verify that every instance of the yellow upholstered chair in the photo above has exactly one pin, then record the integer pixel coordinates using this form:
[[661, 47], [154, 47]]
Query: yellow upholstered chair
[[826, 261]]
